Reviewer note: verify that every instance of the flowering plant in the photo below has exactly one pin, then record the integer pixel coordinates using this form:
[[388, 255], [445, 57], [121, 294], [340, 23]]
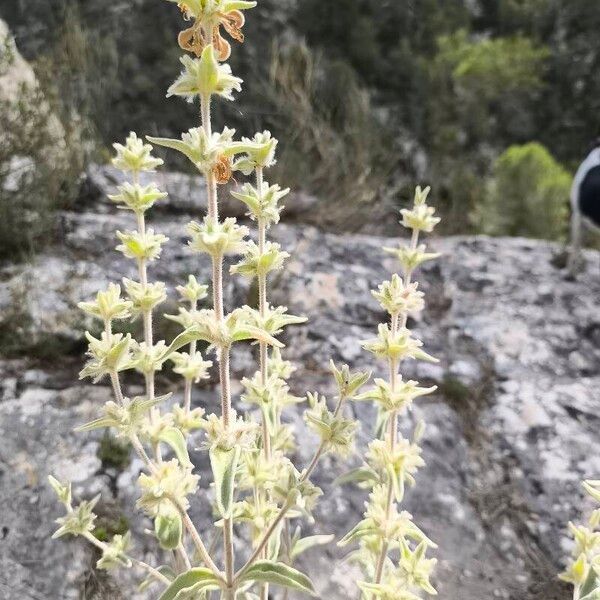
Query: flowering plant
[[255, 483], [392, 460]]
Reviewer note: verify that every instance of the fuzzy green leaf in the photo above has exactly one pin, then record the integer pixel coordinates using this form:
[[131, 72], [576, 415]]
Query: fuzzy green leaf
[[168, 530], [174, 438], [269, 414], [224, 464], [198, 578], [96, 424], [249, 332], [183, 339], [362, 529], [358, 475], [62, 491], [311, 541], [590, 586], [238, 5], [267, 571], [178, 145], [115, 354], [274, 544]]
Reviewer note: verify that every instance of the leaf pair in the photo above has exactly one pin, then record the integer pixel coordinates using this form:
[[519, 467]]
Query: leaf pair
[[235, 328], [191, 583], [267, 571]]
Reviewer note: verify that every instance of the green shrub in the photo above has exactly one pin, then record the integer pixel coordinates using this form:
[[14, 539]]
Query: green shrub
[[484, 89], [527, 195]]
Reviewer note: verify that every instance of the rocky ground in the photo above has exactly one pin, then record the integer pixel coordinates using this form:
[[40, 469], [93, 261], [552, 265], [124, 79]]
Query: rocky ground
[[510, 434]]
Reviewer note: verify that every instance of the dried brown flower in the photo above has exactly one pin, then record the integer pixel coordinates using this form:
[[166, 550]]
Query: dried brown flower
[[207, 30], [222, 170]]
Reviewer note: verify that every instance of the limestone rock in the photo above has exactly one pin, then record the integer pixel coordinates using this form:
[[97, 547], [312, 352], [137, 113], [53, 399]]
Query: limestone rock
[[187, 193], [15, 71], [511, 431], [18, 83]]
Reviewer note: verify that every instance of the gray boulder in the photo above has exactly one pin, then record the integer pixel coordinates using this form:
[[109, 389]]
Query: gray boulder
[[187, 193]]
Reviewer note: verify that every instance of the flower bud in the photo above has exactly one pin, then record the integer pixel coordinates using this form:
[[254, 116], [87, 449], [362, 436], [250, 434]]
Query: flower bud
[[135, 156], [108, 305], [204, 76], [193, 368], [259, 152], [397, 345], [256, 263], [263, 205], [141, 246], [144, 298], [136, 197], [411, 258], [114, 554], [217, 238], [399, 298], [192, 291]]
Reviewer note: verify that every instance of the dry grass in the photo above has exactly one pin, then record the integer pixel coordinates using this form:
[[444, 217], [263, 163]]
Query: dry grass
[[334, 145]]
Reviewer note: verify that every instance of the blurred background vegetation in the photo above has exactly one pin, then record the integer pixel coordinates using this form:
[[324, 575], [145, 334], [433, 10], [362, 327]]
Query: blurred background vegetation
[[492, 102]]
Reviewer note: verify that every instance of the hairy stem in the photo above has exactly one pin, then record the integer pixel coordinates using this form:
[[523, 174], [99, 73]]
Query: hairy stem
[[263, 353], [224, 371], [187, 392], [397, 321], [139, 448], [264, 541], [313, 463], [154, 572], [198, 543], [224, 375], [147, 323], [211, 182], [116, 385], [287, 536], [217, 278], [228, 548], [262, 309], [224, 354], [322, 446], [183, 555]]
